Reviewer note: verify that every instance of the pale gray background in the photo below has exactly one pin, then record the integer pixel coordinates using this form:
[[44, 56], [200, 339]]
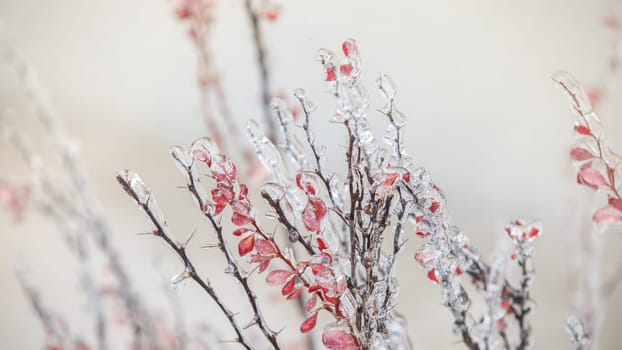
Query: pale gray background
[[473, 79]]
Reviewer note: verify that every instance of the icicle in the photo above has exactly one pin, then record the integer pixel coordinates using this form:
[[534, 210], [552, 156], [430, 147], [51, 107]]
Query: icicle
[[137, 189]]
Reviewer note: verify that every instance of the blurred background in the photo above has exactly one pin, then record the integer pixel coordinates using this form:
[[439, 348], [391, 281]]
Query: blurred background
[[473, 80]]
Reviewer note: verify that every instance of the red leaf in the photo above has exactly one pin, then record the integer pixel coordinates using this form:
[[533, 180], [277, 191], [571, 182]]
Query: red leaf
[[406, 177], [434, 206], [243, 192], [271, 14], [264, 247], [347, 47], [580, 154], [534, 232], [607, 215], [339, 340], [240, 231], [321, 244], [583, 130], [264, 265], [313, 212], [432, 276], [288, 287], [295, 294], [592, 178], [246, 245], [309, 323], [310, 304], [616, 203], [345, 69], [241, 220], [277, 277], [316, 268], [304, 185], [330, 74]]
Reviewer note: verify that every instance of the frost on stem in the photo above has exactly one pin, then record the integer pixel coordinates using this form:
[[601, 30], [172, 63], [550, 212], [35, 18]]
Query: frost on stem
[[579, 339], [599, 166], [598, 169], [70, 204], [333, 256]]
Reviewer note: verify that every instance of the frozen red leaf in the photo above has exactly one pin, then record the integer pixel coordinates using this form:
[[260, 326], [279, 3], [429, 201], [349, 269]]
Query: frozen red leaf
[[264, 247], [611, 22], [309, 323], [389, 180], [263, 266], [339, 340], [272, 14], [240, 231], [330, 74], [288, 287], [591, 177], [321, 244], [583, 130], [313, 212], [243, 194], [302, 181], [426, 256], [349, 47], [534, 232], [580, 154], [277, 277], [240, 220], [406, 177], [434, 206], [246, 245], [184, 8], [345, 69], [607, 215], [295, 294], [616, 203], [310, 304], [432, 276]]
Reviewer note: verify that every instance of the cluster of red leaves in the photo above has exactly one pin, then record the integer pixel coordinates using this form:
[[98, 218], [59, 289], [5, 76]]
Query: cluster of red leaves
[[521, 234], [426, 255], [327, 290], [348, 47], [595, 172]]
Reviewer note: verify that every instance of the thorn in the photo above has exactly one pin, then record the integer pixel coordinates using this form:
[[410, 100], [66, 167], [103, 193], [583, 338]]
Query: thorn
[[189, 237], [210, 245], [153, 233], [251, 323], [252, 271]]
